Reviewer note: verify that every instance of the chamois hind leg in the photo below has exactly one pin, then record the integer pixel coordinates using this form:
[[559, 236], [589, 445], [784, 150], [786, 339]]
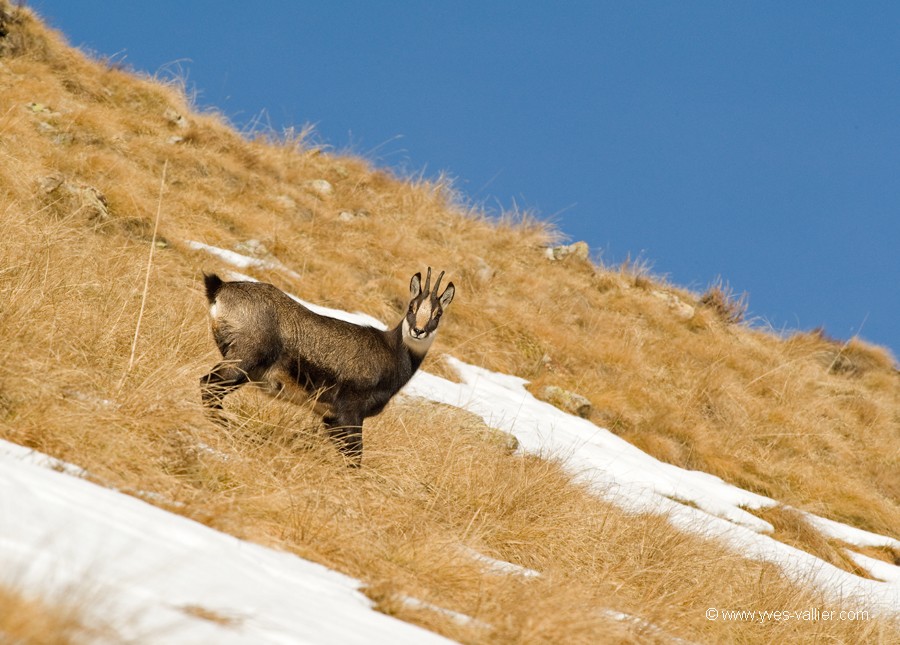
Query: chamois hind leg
[[346, 431], [224, 378]]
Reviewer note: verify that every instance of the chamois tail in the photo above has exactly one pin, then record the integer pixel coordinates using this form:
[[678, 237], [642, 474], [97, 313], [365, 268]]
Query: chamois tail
[[213, 284]]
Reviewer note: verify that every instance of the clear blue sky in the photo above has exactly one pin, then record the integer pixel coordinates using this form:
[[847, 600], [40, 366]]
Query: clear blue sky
[[759, 142]]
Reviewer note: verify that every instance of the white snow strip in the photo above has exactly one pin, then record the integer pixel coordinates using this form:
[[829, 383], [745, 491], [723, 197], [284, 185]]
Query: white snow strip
[[455, 616], [849, 534], [29, 456], [641, 625], [146, 566], [877, 568], [500, 566], [242, 261], [35, 458], [234, 259], [800, 566], [638, 482], [356, 318], [245, 262], [595, 454]]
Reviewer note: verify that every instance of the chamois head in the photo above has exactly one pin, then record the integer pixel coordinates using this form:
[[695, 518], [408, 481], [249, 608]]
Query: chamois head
[[424, 313]]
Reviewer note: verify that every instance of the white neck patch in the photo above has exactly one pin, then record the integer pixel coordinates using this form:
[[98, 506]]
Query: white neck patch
[[418, 346]]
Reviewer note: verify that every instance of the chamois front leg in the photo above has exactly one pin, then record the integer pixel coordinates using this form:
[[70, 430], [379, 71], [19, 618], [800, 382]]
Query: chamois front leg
[[224, 378], [345, 430]]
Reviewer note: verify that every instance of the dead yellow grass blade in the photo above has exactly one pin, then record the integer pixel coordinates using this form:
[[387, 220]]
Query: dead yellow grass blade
[[137, 328]]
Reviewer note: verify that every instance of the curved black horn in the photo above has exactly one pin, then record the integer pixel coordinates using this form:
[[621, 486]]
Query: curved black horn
[[437, 284], [427, 282]]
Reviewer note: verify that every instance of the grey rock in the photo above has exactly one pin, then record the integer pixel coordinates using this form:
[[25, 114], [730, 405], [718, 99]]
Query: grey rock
[[579, 250], [320, 187], [174, 118], [254, 248], [566, 401], [679, 307]]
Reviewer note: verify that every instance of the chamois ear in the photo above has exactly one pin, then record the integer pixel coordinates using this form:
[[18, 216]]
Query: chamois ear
[[447, 296], [415, 286]]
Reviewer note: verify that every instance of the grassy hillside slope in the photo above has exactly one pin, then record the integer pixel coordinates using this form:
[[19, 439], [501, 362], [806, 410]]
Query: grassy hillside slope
[[807, 420]]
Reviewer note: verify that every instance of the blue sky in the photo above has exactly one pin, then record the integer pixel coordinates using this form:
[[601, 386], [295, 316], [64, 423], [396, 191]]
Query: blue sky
[[756, 142]]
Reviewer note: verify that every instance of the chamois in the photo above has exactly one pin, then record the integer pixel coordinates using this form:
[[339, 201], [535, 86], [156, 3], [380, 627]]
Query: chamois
[[349, 371]]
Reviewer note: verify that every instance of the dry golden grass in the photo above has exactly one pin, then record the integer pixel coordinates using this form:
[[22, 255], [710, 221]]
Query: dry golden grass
[[792, 528], [83, 148], [26, 620], [721, 299]]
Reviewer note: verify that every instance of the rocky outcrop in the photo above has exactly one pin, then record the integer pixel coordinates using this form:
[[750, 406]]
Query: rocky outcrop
[[579, 250], [566, 401]]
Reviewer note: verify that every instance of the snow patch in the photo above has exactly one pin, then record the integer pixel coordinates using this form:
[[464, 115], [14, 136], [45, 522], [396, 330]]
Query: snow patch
[[242, 261], [357, 318], [878, 569], [500, 566], [637, 482], [849, 534], [147, 565], [455, 616]]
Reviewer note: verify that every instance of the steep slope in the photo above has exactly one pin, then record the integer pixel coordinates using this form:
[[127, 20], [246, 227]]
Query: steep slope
[[166, 579], [805, 420]]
